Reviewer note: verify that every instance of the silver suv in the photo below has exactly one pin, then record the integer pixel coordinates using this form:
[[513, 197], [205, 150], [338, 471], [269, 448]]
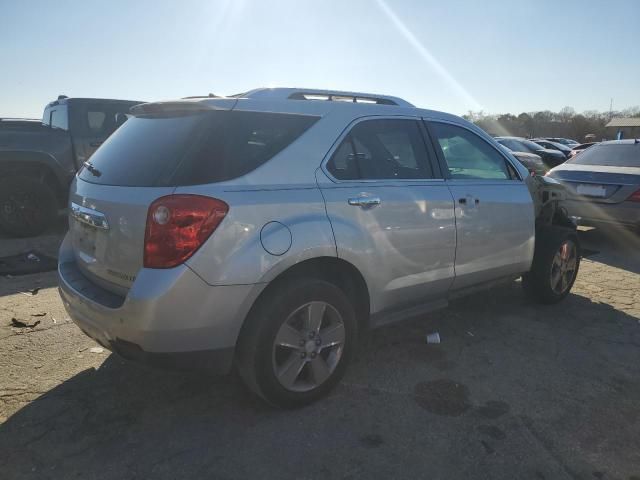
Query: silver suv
[[266, 230]]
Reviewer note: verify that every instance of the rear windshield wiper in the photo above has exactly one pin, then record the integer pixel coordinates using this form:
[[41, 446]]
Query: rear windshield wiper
[[94, 171]]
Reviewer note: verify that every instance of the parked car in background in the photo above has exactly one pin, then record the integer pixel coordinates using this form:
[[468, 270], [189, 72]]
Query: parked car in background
[[531, 161], [580, 148], [517, 144], [564, 141], [39, 158], [604, 184], [553, 146], [270, 228]]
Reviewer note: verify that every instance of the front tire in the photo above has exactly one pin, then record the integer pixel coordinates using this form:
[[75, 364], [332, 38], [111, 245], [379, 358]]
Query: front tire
[[555, 265], [27, 206], [297, 342]]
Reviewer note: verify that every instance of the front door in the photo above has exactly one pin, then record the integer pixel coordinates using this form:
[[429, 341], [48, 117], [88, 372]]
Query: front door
[[493, 207], [392, 217]]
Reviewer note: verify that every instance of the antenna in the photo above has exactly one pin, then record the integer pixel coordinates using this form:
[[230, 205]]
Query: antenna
[[610, 108]]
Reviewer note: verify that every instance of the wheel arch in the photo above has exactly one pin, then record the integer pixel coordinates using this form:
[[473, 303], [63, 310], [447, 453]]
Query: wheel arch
[[37, 165], [331, 269]]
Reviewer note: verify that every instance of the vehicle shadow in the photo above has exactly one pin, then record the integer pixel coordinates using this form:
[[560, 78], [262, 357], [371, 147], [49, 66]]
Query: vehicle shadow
[[123, 413], [48, 244], [613, 246], [126, 421], [28, 283]]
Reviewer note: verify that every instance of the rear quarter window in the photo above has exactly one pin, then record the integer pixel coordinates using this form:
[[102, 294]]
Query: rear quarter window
[[191, 149]]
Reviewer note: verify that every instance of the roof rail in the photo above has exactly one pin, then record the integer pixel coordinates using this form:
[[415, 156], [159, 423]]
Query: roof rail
[[210, 95], [323, 95], [13, 119]]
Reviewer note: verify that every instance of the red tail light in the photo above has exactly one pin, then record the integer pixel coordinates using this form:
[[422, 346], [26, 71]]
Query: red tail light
[[634, 197], [177, 225]]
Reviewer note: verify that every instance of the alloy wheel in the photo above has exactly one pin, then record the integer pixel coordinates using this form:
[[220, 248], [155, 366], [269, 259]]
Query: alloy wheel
[[308, 346], [563, 268]]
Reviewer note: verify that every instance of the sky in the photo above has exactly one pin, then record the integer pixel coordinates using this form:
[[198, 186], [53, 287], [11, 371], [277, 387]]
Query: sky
[[500, 56]]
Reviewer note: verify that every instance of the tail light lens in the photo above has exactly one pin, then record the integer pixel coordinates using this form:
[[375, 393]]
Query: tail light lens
[[634, 197], [177, 225]]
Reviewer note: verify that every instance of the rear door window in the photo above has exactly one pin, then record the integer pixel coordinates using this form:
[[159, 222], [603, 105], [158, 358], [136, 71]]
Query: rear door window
[[382, 149], [190, 149]]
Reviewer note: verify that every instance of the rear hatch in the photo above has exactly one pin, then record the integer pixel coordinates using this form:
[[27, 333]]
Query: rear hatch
[[107, 226], [599, 184], [165, 145], [605, 173]]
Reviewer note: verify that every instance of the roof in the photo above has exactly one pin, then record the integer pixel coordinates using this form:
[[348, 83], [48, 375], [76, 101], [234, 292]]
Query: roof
[[624, 122], [304, 101], [62, 101]]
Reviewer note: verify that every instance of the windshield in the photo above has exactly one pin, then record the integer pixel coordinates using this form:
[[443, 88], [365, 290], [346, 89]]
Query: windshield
[[616, 155]]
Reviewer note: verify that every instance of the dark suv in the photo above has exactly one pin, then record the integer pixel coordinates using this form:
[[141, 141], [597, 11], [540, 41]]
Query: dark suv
[[39, 158]]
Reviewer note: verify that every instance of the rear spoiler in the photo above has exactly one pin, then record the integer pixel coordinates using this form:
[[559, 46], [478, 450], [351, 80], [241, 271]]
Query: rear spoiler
[[184, 106]]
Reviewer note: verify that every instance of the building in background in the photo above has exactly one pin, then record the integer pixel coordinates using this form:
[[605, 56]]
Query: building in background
[[624, 127]]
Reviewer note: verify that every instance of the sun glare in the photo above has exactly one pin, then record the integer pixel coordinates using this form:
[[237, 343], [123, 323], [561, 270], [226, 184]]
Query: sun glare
[[426, 55]]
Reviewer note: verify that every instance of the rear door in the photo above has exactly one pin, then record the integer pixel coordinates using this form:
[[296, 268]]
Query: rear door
[[391, 215], [494, 211]]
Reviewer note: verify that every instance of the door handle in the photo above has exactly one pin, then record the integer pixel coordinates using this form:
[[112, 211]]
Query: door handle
[[365, 202], [95, 144]]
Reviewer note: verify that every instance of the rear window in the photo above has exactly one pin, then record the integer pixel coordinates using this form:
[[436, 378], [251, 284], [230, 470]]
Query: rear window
[[616, 155], [190, 149]]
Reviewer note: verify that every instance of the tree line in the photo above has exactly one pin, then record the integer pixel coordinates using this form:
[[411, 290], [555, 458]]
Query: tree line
[[566, 123]]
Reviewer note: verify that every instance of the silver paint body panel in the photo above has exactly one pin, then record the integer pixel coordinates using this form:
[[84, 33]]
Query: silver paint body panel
[[410, 239]]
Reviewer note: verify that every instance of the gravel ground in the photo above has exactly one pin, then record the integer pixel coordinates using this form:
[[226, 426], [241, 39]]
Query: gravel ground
[[514, 390]]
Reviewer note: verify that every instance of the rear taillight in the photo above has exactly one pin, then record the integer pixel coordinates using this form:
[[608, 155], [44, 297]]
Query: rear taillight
[[635, 196], [177, 225]]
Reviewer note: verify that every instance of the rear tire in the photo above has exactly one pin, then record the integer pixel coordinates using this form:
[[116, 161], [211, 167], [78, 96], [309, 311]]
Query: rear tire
[[297, 342], [27, 206], [555, 265]]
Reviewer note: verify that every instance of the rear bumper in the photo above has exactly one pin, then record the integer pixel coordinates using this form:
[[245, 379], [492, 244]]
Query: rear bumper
[[169, 317], [593, 213]]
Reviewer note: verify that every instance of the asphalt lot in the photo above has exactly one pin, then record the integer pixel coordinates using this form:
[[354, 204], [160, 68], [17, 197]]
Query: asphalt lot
[[515, 390]]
